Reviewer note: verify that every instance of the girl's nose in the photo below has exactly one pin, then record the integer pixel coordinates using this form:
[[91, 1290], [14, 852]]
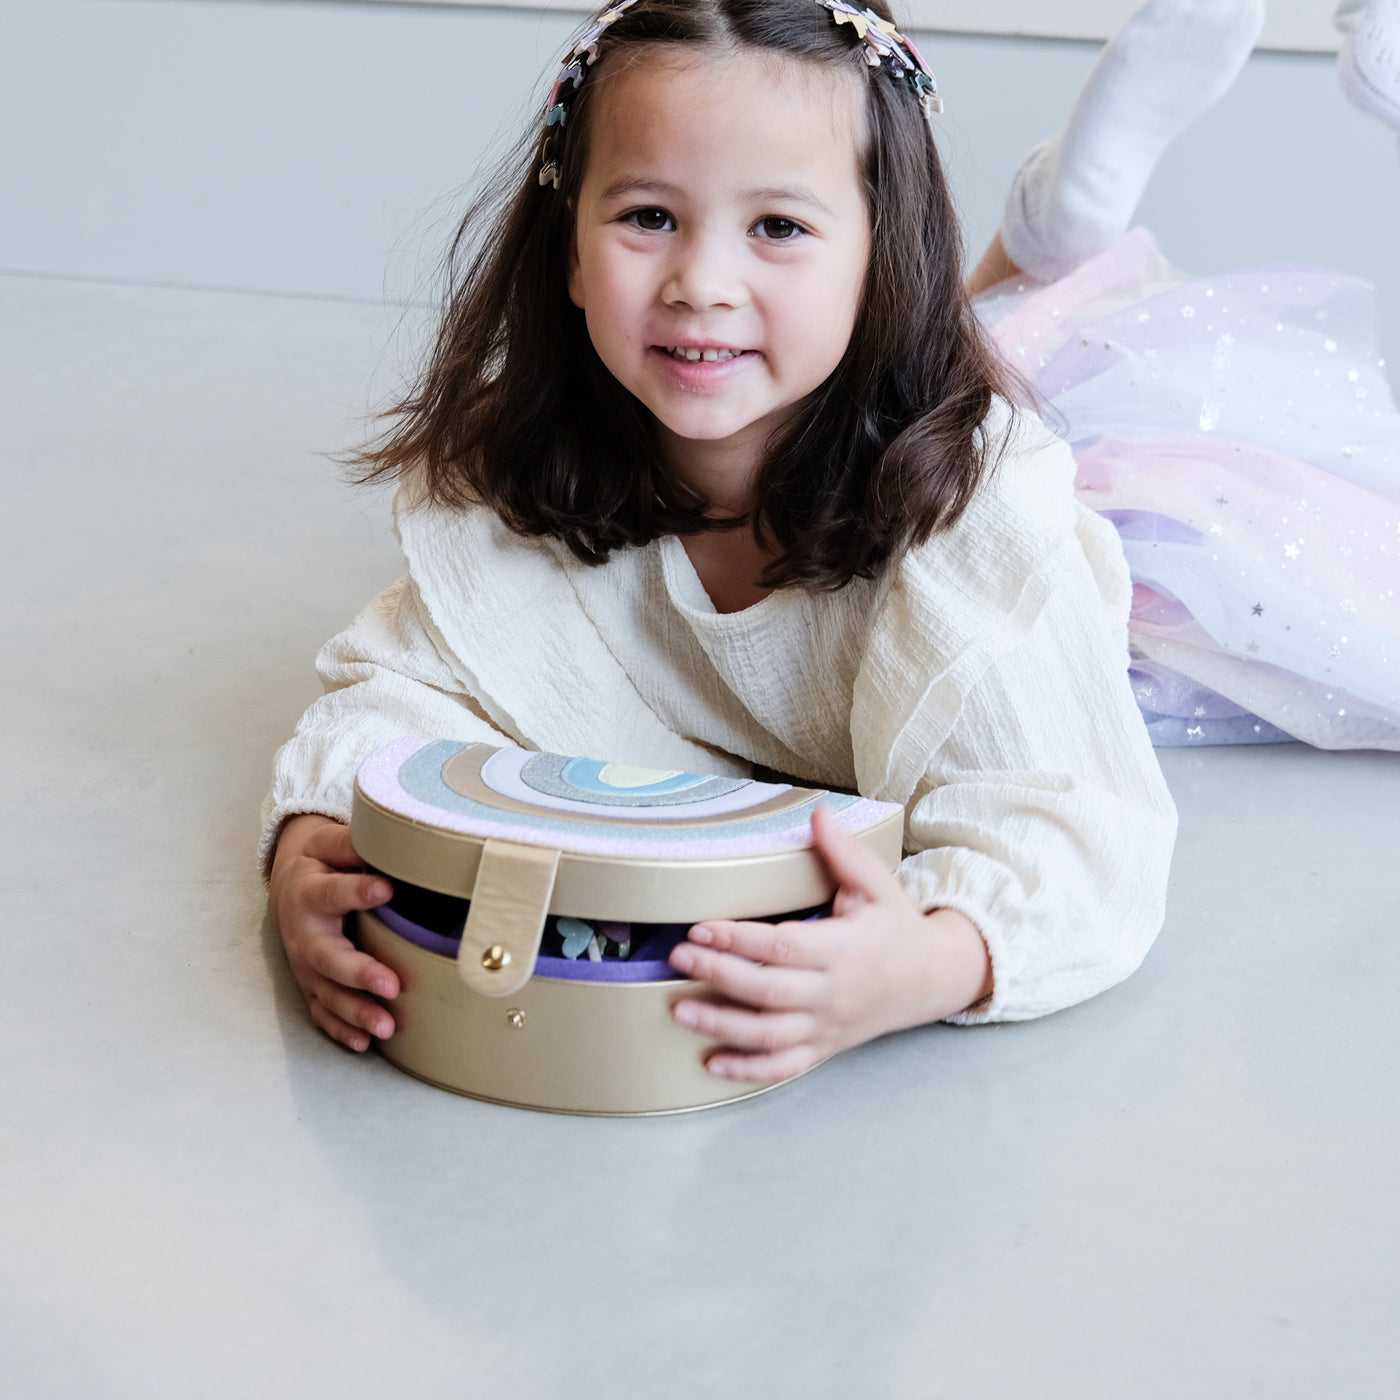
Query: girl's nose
[[703, 273]]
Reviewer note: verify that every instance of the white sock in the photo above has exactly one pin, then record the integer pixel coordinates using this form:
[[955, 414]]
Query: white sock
[[1076, 194], [1369, 64]]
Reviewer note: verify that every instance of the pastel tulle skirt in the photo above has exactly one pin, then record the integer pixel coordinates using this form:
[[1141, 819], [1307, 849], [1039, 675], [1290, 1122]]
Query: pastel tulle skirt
[[1240, 434]]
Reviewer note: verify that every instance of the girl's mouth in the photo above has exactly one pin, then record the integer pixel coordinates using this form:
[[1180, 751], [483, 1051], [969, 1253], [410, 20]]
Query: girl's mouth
[[690, 354]]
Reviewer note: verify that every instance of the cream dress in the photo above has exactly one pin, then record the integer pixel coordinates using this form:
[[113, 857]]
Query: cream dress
[[982, 682]]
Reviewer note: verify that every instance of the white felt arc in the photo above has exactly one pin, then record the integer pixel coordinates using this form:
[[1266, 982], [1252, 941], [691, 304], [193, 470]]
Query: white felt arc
[[501, 773]]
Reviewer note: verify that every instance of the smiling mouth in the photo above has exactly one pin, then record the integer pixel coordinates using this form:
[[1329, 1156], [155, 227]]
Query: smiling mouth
[[691, 353]]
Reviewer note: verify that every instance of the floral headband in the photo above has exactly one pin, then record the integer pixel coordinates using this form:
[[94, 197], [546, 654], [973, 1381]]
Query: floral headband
[[883, 43], [577, 62]]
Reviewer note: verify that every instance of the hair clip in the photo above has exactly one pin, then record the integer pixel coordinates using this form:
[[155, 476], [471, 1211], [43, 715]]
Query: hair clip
[[884, 42], [580, 58]]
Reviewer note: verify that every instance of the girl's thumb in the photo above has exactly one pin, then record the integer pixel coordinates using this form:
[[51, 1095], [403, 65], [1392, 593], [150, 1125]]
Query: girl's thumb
[[853, 865]]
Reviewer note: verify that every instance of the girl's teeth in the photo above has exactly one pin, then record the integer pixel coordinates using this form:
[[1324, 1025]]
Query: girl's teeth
[[691, 355]]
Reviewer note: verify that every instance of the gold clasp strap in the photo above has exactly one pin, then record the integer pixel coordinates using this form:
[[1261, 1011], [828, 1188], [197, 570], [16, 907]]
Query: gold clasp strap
[[504, 925]]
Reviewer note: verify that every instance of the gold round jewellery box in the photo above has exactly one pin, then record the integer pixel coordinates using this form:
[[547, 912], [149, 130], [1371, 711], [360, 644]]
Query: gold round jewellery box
[[537, 899]]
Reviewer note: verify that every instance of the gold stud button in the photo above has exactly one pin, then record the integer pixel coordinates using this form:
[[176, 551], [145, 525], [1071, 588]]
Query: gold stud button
[[495, 958], [515, 1019]]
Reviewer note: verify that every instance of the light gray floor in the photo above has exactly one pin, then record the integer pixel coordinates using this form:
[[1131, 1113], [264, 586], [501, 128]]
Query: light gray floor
[[1184, 1188]]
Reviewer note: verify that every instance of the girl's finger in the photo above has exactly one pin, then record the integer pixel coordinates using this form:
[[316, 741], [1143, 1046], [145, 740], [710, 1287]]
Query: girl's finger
[[334, 896], [737, 1029], [767, 988], [348, 1035], [853, 865], [781, 945], [765, 1069], [331, 844], [355, 1009], [339, 961]]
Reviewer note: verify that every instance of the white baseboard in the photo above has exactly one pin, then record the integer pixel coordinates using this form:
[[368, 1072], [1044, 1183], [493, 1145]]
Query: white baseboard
[[1302, 26]]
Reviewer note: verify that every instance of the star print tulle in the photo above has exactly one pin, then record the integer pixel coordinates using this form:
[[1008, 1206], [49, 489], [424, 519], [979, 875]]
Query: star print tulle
[[1240, 434]]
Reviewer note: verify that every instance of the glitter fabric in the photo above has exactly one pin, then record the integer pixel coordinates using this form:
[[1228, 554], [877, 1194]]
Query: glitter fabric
[[1240, 433]]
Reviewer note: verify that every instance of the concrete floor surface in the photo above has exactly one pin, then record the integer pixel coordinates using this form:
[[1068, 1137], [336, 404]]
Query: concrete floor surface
[[1187, 1187]]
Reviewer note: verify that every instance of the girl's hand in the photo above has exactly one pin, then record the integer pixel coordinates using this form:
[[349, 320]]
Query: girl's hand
[[795, 993], [316, 881]]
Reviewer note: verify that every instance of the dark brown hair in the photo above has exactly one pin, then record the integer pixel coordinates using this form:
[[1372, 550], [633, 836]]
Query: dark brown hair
[[515, 409]]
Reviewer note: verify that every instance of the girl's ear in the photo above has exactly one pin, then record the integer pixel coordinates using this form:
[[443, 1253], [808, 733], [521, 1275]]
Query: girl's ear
[[575, 280]]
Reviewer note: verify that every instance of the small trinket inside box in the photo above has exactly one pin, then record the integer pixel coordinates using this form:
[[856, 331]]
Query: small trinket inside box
[[537, 899]]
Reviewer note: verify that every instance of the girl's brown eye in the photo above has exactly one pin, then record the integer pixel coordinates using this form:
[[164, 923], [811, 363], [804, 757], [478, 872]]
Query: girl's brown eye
[[778, 229], [652, 220]]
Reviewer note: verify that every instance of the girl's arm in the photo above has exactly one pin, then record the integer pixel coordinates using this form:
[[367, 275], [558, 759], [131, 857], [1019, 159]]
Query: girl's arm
[[385, 676], [1043, 815], [1040, 825]]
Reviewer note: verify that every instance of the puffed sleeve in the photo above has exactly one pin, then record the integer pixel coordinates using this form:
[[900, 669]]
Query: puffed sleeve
[[1044, 818], [386, 675], [1000, 712]]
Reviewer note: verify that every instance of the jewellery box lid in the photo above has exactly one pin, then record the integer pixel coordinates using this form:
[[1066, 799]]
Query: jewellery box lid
[[523, 835]]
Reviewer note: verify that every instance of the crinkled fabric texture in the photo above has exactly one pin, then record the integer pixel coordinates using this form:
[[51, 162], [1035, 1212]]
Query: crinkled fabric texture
[[1240, 435], [981, 684]]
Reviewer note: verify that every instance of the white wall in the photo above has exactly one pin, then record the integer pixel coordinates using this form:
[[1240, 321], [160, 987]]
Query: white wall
[[277, 145], [1304, 25], [1291, 24], [320, 148]]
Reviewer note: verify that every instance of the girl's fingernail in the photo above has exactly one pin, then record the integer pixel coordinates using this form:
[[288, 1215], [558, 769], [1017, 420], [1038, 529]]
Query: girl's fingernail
[[384, 1029], [716, 1067], [682, 958], [687, 1013], [383, 987], [701, 934]]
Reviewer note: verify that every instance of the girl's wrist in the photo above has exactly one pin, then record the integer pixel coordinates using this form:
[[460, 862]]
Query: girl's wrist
[[957, 968], [291, 841]]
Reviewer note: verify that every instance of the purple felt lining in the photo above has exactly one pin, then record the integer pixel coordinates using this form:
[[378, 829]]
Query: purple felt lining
[[570, 969]]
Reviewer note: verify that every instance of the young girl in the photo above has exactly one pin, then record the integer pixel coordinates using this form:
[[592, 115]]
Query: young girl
[[713, 467]]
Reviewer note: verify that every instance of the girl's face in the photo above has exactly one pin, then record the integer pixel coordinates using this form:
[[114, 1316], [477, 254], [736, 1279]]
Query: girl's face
[[722, 242]]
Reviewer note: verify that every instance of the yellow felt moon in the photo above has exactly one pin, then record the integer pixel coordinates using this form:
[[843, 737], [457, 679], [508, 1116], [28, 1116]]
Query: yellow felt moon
[[626, 775]]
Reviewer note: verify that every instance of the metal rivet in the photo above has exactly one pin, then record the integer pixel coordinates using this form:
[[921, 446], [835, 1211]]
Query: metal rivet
[[515, 1018], [495, 958]]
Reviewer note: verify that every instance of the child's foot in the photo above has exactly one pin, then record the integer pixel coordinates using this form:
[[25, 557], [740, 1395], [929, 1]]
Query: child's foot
[[1369, 64], [1077, 193]]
